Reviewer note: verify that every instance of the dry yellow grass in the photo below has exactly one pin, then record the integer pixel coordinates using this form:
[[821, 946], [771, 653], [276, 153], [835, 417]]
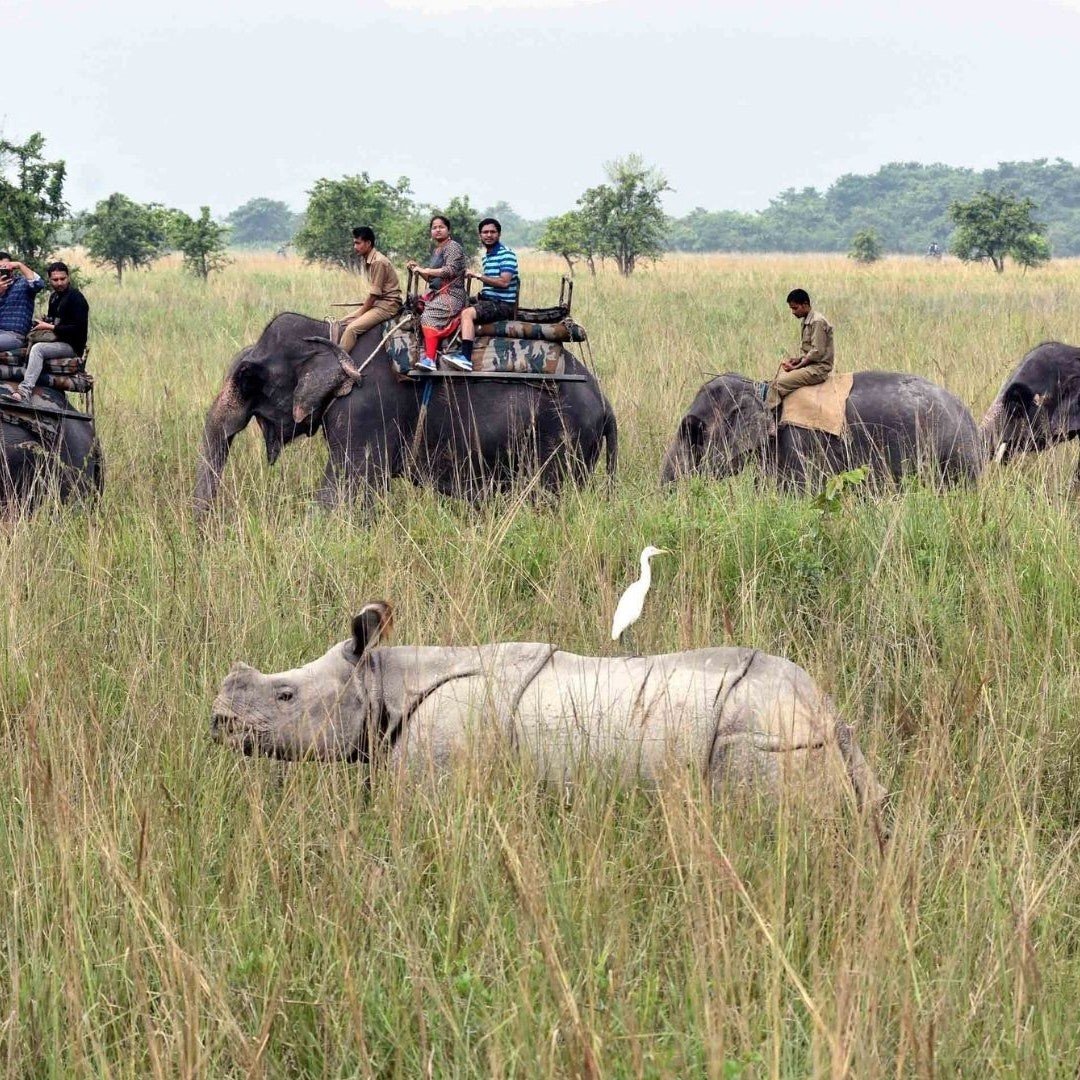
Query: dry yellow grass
[[173, 910]]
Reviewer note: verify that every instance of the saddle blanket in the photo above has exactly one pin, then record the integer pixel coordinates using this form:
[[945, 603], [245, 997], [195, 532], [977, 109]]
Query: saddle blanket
[[820, 407], [489, 354]]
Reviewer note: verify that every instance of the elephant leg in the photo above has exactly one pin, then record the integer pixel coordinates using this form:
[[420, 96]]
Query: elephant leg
[[355, 472], [792, 459]]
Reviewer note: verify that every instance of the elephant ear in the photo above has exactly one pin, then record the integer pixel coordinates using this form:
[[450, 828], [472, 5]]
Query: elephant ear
[[1067, 412], [248, 378], [749, 425], [320, 377], [693, 434], [369, 627]]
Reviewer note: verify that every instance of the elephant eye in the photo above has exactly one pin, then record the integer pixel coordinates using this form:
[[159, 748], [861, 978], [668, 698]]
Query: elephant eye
[[284, 694]]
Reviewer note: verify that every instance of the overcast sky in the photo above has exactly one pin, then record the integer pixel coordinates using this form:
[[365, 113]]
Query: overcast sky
[[218, 101]]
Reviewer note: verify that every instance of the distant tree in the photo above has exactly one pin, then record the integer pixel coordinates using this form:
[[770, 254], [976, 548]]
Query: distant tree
[[201, 240], [336, 206], [993, 225], [73, 231], [125, 234], [623, 218], [567, 236], [262, 223], [865, 247], [1031, 250], [32, 207]]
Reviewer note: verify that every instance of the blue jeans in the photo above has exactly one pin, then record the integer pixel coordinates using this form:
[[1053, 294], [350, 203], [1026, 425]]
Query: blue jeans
[[10, 340]]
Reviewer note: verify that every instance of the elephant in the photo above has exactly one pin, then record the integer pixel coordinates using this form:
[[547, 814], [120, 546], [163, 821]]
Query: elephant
[[474, 437], [735, 716], [1038, 405], [896, 424], [41, 453]]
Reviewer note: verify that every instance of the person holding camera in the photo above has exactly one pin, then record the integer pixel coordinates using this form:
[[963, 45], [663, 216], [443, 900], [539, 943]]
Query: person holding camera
[[19, 286], [66, 321]]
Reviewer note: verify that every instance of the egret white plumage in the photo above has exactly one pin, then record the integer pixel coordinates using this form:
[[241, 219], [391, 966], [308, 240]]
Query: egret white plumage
[[633, 600]]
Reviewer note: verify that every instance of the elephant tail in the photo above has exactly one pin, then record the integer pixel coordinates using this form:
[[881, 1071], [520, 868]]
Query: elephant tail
[[611, 443]]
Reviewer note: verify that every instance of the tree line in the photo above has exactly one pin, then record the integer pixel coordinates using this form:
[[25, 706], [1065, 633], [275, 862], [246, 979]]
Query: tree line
[[903, 207], [906, 205], [118, 232]]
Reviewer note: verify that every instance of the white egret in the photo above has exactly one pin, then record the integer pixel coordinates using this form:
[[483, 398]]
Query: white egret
[[633, 600]]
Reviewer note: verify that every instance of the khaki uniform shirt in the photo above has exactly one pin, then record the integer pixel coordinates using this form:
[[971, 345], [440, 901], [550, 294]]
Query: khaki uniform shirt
[[817, 340], [382, 278]]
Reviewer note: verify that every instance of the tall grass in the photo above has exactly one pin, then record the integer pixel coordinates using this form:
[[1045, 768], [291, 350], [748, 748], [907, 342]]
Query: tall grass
[[174, 910]]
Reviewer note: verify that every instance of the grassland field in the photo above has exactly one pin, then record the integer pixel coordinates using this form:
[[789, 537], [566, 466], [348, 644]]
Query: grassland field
[[170, 909]]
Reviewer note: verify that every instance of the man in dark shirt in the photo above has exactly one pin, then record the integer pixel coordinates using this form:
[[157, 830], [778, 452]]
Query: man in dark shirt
[[68, 317]]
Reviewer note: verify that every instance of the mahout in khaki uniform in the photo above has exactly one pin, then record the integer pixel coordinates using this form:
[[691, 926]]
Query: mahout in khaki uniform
[[384, 292], [815, 362]]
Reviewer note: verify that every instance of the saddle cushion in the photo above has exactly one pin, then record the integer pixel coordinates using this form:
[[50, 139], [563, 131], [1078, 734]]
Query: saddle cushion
[[62, 365], [821, 407], [79, 382], [489, 354], [564, 330]]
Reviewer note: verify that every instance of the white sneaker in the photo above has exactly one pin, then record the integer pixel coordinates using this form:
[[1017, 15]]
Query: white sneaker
[[458, 360]]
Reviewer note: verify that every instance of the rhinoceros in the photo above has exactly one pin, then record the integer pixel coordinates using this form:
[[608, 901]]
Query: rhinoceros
[[735, 715]]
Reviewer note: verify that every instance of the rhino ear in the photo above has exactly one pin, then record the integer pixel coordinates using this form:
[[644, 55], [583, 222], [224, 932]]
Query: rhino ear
[[371, 626]]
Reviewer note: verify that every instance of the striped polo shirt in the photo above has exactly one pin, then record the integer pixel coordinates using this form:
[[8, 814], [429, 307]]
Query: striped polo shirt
[[498, 260]]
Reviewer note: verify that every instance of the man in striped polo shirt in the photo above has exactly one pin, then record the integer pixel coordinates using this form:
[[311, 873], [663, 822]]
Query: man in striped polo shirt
[[498, 297]]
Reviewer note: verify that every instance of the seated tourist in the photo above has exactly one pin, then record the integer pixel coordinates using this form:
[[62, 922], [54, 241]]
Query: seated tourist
[[18, 286], [498, 297], [384, 291], [816, 348], [68, 317], [443, 304]]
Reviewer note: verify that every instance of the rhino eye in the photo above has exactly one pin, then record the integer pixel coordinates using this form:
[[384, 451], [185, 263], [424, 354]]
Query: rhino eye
[[285, 694]]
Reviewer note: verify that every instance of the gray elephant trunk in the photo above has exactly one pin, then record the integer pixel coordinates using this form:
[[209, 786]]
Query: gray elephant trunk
[[992, 427], [678, 463], [227, 417]]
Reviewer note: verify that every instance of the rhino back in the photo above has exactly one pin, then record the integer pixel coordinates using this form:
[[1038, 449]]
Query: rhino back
[[651, 712], [642, 713]]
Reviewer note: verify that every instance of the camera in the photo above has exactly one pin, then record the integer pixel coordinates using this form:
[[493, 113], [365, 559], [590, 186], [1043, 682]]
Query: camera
[[6, 273]]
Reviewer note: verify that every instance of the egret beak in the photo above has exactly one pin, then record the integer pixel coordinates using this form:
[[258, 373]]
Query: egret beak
[[1000, 453]]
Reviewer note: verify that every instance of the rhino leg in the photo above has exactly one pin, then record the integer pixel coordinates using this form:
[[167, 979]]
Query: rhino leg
[[747, 761]]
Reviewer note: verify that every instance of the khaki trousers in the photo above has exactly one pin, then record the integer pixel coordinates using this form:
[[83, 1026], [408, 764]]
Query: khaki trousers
[[787, 381], [355, 325]]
